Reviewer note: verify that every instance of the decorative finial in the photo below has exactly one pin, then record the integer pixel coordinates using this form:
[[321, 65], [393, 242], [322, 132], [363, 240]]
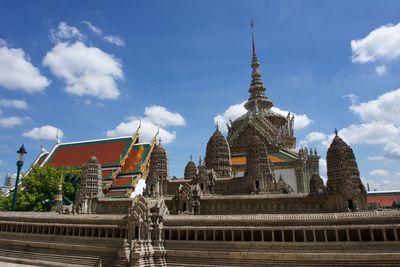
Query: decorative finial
[[58, 141], [336, 132], [159, 141], [191, 157], [252, 36], [217, 126], [42, 149]]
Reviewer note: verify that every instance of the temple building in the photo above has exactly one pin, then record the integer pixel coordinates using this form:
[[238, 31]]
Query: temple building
[[253, 199]]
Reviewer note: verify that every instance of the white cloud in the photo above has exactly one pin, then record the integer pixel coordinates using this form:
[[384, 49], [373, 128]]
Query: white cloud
[[161, 116], [14, 103], [65, 33], [372, 133], [47, 132], [313, 137], [112, 39], [147, 131], [10, 122], [381, 43], [150, 125], [379, 173], [376, 158], [323, 169], [115, 40], [385, 108], [85, 70], [381, 70], [17, 72], [232, 113], [93, 28], [235, 111]]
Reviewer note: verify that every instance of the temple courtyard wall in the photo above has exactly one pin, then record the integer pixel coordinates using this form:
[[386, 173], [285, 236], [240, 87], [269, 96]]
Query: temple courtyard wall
[[319, 239]]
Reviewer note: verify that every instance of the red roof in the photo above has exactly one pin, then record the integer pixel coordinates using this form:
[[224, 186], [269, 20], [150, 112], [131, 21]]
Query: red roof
[[383, 200], [109, 152]]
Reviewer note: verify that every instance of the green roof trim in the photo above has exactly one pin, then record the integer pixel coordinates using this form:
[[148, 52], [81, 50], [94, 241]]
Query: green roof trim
[[282, 156]]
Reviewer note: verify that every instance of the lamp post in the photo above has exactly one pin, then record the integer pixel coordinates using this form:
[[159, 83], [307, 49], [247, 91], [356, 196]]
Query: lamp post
[[21, 153]]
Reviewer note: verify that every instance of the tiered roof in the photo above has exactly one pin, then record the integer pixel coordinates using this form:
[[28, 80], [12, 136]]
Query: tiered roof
[[123, 160]]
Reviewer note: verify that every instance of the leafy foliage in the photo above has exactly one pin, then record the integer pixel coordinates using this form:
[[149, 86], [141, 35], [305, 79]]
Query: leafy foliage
[[41, 185]]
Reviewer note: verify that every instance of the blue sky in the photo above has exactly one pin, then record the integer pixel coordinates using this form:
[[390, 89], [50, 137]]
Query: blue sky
[[94, 69]]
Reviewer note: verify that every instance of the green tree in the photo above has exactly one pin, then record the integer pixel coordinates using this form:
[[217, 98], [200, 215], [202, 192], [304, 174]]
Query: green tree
[[5, 203], [41, 185]]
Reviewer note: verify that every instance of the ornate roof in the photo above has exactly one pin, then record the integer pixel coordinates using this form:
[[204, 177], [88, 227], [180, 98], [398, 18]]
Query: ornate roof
[[136, 158], [218, 155], [109, 152]]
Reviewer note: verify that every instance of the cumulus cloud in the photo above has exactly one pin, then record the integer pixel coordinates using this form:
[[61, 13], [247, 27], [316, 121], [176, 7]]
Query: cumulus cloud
[[323, 169], [93, 28], [232, 113], [235, 111], [379, 173], [150, 124], [10, 122], [385, 108], [87, 71], [381, 43], [115, 40], [147, 131], [161, 116], [64, 32], [46, 132], [380, 125], [13, 103], [381, 70], [18, 73], [112, 39], [313, 137], [300, 121]]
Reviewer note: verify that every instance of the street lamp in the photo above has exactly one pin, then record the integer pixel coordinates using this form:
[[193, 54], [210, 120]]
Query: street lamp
[[21, 153]]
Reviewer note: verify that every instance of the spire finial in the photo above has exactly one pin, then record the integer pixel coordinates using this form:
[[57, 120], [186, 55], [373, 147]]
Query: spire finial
[[191, 157], [257, 99], [159, 140], [217, 126], [252, 36], [336, 132], [58, 141]]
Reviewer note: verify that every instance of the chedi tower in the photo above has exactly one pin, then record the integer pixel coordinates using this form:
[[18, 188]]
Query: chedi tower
[[344, 186]]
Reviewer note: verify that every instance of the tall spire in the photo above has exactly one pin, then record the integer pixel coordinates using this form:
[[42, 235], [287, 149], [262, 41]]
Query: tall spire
[[257, 100]]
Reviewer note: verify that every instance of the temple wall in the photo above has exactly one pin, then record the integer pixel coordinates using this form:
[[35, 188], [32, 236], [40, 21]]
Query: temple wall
[[113, 206], [342, 239], [253, 204]]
